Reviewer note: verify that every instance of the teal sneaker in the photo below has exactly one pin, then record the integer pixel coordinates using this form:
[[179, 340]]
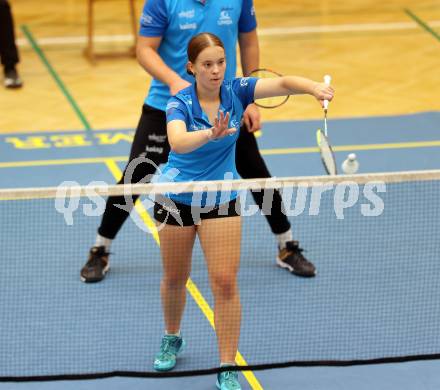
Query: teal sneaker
[[228, 380], [165, 360]]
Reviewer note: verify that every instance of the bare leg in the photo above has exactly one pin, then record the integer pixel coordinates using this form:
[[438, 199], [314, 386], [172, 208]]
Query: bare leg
[[176, 245], [220, 239]]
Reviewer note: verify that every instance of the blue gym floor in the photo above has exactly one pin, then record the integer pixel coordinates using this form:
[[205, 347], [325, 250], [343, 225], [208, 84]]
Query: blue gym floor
[[383, 144]]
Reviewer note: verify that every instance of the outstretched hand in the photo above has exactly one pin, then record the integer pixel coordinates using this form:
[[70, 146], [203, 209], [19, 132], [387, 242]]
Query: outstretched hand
[[220, 128], [322, 92]]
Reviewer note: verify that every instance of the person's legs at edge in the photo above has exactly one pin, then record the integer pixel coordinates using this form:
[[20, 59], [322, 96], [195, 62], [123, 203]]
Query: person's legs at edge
[[220, 240], [8, 48], [250, 165], [149, 149]]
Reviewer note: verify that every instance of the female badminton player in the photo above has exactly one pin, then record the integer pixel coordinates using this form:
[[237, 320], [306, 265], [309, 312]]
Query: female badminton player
[[203, 122]]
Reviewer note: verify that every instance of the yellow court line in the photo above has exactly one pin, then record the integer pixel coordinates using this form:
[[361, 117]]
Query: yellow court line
[[37, 131], [266, 152], [345, 148], [190, 285], [397, 145], [68, 161]]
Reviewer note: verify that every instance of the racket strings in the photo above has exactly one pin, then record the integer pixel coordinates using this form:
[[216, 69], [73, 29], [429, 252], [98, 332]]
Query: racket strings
[[271, 102], [327, 156]]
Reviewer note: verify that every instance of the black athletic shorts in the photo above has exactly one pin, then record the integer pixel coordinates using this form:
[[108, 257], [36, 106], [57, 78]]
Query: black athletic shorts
[[178, 214]]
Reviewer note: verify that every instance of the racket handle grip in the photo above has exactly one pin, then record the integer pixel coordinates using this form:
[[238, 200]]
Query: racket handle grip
[[327, 80]]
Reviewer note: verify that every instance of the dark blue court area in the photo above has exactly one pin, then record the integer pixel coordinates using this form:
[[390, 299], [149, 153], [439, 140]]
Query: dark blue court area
[[375, 296]]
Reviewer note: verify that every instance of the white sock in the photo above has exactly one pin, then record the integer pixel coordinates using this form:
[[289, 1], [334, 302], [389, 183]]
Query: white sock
[[226, 364], [172, 334], [283, 238], [103, 241]]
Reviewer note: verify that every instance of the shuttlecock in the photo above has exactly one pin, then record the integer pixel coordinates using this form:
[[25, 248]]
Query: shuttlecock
[[350, 165]]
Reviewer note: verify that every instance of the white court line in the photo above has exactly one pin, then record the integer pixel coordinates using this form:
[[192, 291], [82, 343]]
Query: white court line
[[344, 28], [365, 27]]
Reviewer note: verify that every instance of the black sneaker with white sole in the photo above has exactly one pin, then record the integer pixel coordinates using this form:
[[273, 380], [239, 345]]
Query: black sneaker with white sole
[[97, 265], [12, 79], [292, 259]]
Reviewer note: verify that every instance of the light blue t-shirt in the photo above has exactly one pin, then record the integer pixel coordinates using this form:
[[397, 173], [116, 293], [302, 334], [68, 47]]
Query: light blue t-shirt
[[216, 159], [177, 21]]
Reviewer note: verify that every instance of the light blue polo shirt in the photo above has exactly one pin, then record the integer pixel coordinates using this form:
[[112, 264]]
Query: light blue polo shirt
[[177, 21], [216, 159]]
